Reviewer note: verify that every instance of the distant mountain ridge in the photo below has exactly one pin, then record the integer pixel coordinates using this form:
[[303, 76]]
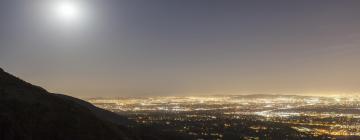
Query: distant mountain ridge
[[29, 112]]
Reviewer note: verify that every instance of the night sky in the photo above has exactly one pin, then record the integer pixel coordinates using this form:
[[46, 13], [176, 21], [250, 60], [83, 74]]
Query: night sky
[[183, 47]]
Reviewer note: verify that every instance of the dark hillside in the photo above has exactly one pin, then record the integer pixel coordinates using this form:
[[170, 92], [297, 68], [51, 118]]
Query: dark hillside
[[28, 112]]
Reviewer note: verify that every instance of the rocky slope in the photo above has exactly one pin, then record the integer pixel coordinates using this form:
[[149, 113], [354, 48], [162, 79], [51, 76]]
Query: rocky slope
[[29, 112]]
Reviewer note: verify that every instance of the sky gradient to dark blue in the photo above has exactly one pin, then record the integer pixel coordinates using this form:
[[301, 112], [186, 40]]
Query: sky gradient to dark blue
[[184, 47]]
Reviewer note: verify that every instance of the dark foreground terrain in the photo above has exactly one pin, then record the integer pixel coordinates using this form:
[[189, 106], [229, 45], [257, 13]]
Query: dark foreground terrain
[[28, 112]]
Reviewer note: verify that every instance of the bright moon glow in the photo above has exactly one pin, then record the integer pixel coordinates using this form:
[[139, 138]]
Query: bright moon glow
[[67, 11]]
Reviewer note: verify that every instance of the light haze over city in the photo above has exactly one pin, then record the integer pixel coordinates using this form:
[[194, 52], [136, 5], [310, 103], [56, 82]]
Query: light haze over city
[[120, 48]]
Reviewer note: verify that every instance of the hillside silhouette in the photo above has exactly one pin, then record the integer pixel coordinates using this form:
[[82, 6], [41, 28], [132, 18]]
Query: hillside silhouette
[[29, 112]]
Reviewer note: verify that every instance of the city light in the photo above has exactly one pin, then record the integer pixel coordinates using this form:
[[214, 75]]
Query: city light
[[312, 116]]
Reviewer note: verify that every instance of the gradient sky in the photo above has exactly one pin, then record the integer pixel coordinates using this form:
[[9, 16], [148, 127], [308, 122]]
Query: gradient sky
[[184, 47]]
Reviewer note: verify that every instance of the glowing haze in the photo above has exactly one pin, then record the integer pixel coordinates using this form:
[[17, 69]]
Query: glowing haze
[[92, 48], [67, 10]]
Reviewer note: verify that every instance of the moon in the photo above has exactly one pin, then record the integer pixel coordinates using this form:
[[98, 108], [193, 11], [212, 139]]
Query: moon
[[67, 11]]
